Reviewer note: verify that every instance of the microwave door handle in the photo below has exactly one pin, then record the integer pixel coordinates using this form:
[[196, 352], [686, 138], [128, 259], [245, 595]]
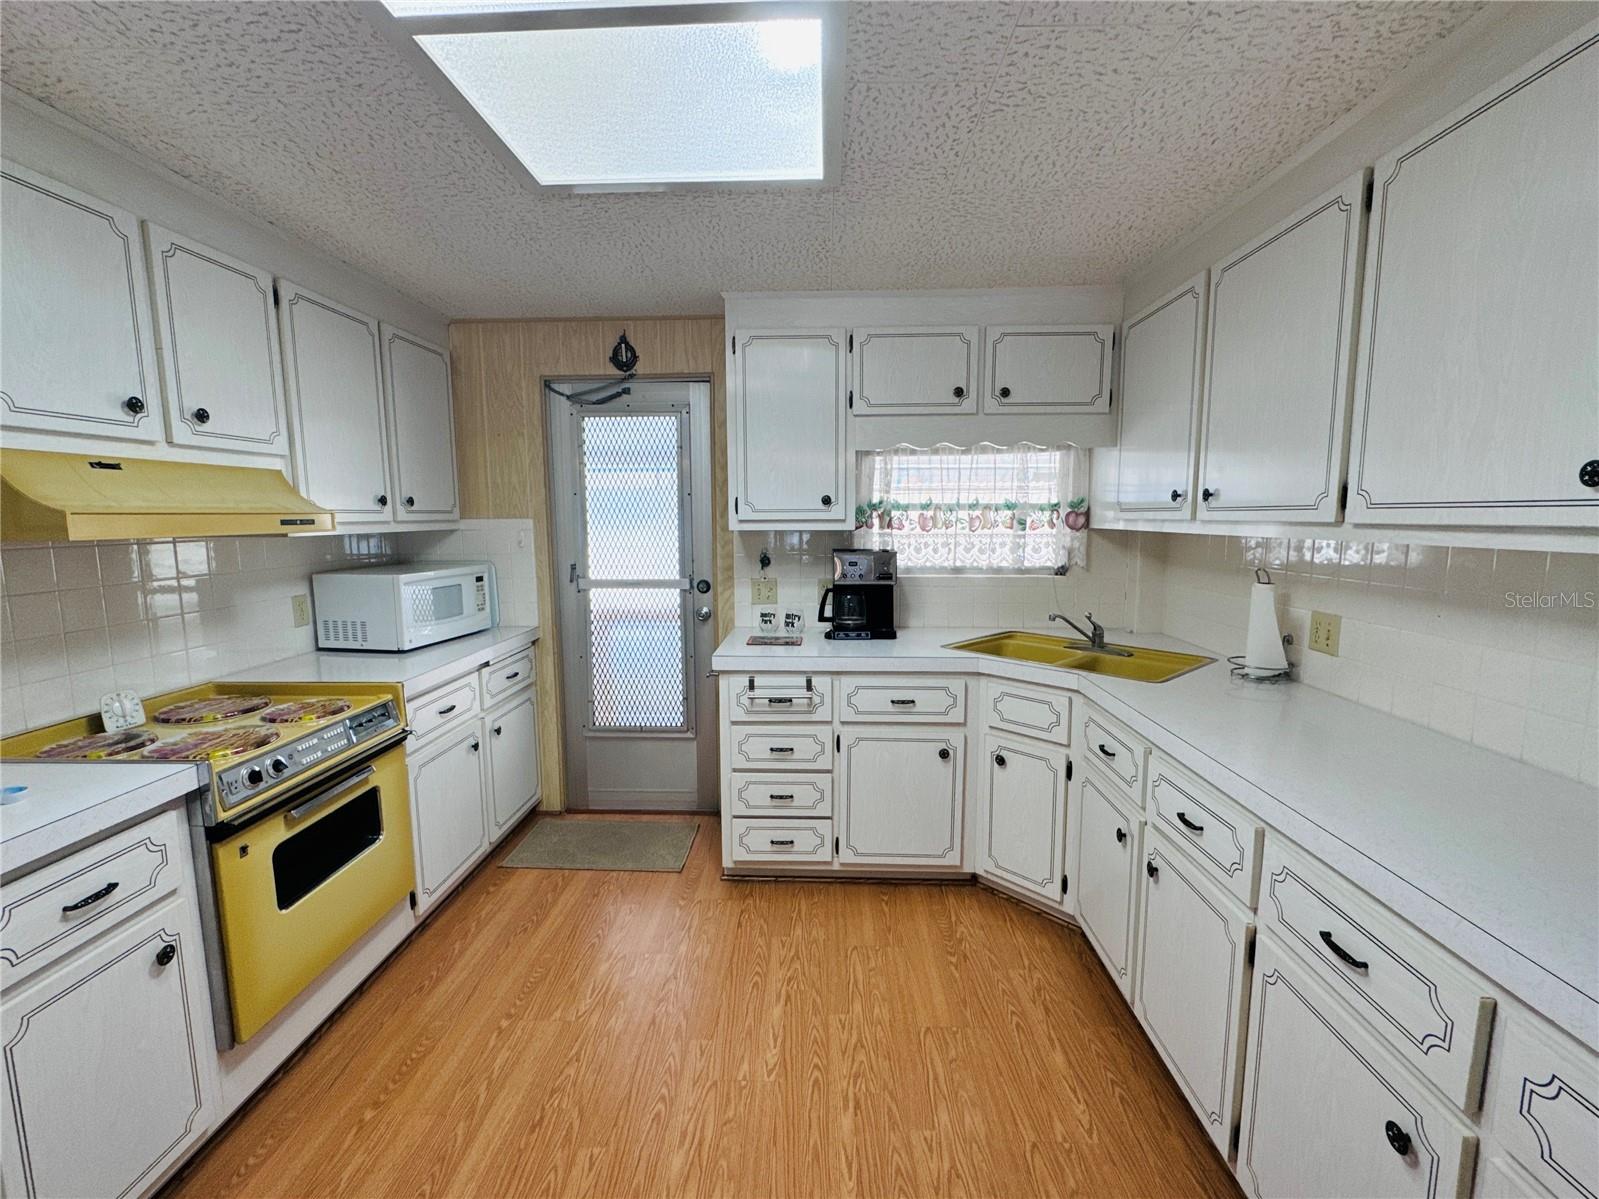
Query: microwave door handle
[[323, 798]]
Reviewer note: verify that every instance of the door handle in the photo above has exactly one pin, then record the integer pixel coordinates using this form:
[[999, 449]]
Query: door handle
[[328, 796], [702, 613]]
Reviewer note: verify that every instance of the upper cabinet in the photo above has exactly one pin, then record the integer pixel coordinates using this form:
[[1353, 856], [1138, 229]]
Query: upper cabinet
[[786, 423], [1048, 369], [1282, 312], [1162, 350], [335, 385], [1477, 394], [217, 336], [914, 371], [418, 376], [74, 314]]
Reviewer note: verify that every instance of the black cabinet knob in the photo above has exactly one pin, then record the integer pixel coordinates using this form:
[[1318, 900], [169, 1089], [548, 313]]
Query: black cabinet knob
[[1398, 1138], [1004, 393], [202, 416], [1121, 836], [1152, 870], [1588, 476], [410, 501], [943, 755], [827, 501], [164, 955], [1206, 493], [1175, 495], [960, 393], [999, 759], [134, 405], [383, 501], [476, 745], [498, 729]]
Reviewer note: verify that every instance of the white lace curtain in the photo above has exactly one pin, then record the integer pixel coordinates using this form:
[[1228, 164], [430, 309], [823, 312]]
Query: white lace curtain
[[985, 508]]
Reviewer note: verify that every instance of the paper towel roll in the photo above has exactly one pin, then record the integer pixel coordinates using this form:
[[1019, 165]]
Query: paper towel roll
[[1263, 651]]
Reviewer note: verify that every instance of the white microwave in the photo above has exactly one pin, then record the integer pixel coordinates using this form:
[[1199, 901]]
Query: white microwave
[[404, 606]]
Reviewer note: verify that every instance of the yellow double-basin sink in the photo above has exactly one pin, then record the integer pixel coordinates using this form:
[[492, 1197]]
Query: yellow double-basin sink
[[1133, 662]]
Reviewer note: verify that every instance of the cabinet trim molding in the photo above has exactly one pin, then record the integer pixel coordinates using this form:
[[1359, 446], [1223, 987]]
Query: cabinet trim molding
[[1048, 880], [997, 697], [1015, 404], [954, 809], [12, 958], [1552, 1090], [1196, 291], [1236, 866], [851, 694], [750, 508], [796, 851], [951, 403]]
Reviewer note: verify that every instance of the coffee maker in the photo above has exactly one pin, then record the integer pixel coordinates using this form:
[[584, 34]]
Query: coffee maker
[[862, 595]]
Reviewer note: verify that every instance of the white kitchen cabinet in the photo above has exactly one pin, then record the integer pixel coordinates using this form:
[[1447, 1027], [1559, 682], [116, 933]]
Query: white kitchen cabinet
[[1044, 369], [1543, 1104], [921, 371], [217, 338], [1327, 1112], [448, 812], [513, 741], [74, 314], [110, 1069], [902, 795], [335, 388], [1282, 333], [1022, 838], [422, 422], [1478, 385], [1193, 981], [786, 422], [1162, 353], [1107, 841]]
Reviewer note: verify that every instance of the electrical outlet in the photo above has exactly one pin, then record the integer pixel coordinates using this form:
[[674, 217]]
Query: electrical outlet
[[763, 591], [1324, 627], [302, 611]]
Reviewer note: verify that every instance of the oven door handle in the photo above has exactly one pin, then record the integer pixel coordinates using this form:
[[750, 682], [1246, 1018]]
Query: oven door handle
[[299, 811]]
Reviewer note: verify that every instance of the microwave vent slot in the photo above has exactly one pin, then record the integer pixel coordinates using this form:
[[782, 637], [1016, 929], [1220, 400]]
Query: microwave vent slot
[[344, 632]]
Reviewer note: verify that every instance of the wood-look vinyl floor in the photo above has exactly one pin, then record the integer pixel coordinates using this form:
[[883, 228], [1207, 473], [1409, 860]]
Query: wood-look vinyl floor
[[620, 1035]]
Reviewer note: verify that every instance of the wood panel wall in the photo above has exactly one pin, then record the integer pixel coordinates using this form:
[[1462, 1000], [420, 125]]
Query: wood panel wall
[[498, 369]]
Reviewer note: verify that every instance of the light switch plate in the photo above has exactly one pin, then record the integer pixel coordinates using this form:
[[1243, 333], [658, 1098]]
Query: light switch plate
[[763, 591], [1324, 629], [302, 611]]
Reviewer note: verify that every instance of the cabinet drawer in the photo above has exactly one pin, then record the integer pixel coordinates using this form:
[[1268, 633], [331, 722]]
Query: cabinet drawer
[[915, 699], [56, 908], [1544, 1105], [781, 795], [780, 697], [1115, 749], [782, 840], [1031, 711], [502, 678], [1434, 1014], [1223, 837], [450, 703], [1328, 1111], [769, 748]]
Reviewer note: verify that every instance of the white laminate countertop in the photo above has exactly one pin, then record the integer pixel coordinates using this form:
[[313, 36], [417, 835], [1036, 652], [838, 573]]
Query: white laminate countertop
[[71, 804], [1495, 859], [417, 670]]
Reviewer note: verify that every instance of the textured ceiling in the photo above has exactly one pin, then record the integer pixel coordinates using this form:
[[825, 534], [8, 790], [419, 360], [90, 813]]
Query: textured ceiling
[[986, 144]]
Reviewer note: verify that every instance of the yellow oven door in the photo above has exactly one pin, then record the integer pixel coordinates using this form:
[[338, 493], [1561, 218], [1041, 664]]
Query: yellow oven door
[[299, 887]]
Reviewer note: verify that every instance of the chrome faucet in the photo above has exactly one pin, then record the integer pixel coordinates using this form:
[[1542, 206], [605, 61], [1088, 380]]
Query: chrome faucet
[[1096, 638]]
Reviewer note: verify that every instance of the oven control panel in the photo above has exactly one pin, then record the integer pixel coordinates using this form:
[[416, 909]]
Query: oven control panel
[[281, 763]]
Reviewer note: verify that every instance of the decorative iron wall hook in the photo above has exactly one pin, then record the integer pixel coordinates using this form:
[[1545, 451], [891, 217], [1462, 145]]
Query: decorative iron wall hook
[[623, 356]]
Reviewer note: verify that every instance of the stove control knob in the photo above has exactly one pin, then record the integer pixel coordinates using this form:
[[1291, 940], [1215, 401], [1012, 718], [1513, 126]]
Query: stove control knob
[[278, 766], [253, 777]]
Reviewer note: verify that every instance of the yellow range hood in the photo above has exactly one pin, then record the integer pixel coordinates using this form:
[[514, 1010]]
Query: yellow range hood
[[46, 496]]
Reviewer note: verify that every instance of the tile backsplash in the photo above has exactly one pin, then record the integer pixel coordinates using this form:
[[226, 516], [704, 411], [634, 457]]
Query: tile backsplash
[[79, 620]]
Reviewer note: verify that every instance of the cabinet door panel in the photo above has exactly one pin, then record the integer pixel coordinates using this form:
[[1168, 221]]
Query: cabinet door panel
[[513, 762], [1277, 372], [109, 1062], [1326, 1111], [787, 416], [1048, 369], [74, 314], [447, 810], [902, 797], [916, 371], [217, 334], [1162, 349], [418, 376], [1108, 841], [1024, 835], [1479, 369], [335, 384]]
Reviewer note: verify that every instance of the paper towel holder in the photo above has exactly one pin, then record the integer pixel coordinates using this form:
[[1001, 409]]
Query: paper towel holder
[[1236, 661]]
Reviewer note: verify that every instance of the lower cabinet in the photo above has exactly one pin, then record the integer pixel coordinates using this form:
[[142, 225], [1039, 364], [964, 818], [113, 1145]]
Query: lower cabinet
[[1193, 981], [109, 1063], [447, 810], [513, 741], [901, 796], [1108, 841], [1022, 839], [1327, 1111]]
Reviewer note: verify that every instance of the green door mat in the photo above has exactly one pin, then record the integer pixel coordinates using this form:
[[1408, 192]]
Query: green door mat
[[605, 845]]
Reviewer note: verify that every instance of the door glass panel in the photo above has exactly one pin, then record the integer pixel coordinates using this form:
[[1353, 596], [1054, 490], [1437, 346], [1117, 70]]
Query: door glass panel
[[636, 656], [633, 496]]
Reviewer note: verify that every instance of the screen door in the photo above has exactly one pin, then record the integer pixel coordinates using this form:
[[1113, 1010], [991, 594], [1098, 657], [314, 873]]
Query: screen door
[[636, 609]]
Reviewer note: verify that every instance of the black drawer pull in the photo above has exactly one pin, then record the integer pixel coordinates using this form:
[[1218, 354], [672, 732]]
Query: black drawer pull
[[515, 674], [774, 842], [786, 796], [903, 703], [1342, 954], [1182, 819], [91, 899], [1121, 836], [780, 749], [1152, 870], [780, 699], [1398, 1138], [1109, 753], [164, 955], [445, 711]]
